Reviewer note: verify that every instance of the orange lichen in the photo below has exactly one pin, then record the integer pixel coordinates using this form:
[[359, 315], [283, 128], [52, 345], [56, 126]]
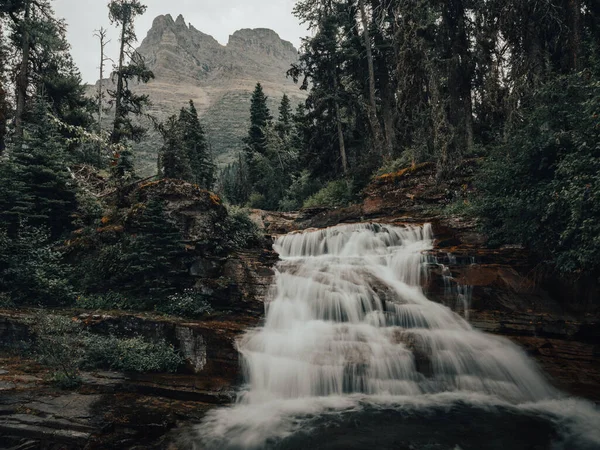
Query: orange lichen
[[215, 199], [395, 176], [150, 183], [105, 220]]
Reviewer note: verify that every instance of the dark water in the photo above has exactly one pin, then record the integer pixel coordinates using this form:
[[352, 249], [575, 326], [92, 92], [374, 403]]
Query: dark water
[[456, 425]]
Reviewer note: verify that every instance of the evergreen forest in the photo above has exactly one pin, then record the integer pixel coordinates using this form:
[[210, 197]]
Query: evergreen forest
[[511, 88]]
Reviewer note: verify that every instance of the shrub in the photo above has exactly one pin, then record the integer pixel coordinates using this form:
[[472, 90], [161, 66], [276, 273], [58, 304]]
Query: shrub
[[190, 303], [302, 187], [59, 345], [107, 301], [130, 355], [335, 194], [257, 201], [240, 230]]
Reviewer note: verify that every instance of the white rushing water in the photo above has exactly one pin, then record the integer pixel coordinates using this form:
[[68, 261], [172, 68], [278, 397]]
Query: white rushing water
[[346, 319]]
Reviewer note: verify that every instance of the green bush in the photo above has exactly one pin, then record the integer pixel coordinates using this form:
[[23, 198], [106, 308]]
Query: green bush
[[191, 304], [257, 201], [59, 344], [302, 187], [335, 194], [130, 355], [240, 230], [106, 301]]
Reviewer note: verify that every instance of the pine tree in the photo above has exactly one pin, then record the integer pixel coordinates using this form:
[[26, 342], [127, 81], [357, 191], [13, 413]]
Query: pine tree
[[150, 262], [45, 67], [35, 186], [122, 13], [196, 147], [284, 121], [256, 141], [174, 160]]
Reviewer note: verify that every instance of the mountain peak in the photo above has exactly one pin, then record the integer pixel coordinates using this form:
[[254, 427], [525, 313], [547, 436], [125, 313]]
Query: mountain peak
[[180, 21]]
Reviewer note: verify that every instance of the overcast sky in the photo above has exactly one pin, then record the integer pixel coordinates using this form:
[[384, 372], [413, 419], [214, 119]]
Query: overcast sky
[[219, 18]]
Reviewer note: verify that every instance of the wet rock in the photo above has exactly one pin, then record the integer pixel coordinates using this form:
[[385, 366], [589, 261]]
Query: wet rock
[[192, 346]]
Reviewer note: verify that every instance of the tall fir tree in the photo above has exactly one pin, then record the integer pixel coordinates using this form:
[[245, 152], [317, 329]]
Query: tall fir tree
[[196, 148], [150, 261], [131, 67], [256, 141], [284, 121], [35, 185], [173, 158]]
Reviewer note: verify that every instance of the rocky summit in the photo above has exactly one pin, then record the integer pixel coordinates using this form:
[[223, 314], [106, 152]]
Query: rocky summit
[[189, 64]]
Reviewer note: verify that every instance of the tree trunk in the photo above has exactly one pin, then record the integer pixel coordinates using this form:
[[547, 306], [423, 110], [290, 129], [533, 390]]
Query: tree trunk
[[340, 130], [23, 76], [102, 36], [388, 104], [3, 117], [3, 102], [372, 105], [575, 38], [116, 134]]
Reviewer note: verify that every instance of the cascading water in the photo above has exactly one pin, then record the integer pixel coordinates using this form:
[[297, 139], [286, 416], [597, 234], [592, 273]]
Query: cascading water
[[347, 324]]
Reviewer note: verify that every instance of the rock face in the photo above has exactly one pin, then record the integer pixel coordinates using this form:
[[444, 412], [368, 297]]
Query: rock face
[[189, 64]]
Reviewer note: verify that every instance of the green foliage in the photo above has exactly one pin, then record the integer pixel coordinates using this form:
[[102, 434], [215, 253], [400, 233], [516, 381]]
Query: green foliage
[[104, 302], [261, 179], [284, 121], [542, 187], [151, 253], [35, 184], [129, 355], [190, 304], [59, 345], [234, 184], [31, 269], [64, 345], [122, 13], [240, 230], [143, 265], [303, 186], [196, 147], [335, 194], [173, 159], [185, 154]]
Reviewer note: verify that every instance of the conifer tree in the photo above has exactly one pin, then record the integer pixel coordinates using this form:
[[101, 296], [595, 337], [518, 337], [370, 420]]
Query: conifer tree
[[123, 13], [284, 121], [256, 141], [173, 160], [35, 186], [4, 105], [198, 154], [45, 68], [150, 261]]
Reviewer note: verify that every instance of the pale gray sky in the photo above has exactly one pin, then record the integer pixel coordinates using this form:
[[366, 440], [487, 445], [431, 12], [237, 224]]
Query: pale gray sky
[[219, 18]]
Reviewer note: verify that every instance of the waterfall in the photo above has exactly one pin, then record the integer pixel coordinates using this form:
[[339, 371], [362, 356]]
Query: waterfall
[[347, 319], [347, 315]]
